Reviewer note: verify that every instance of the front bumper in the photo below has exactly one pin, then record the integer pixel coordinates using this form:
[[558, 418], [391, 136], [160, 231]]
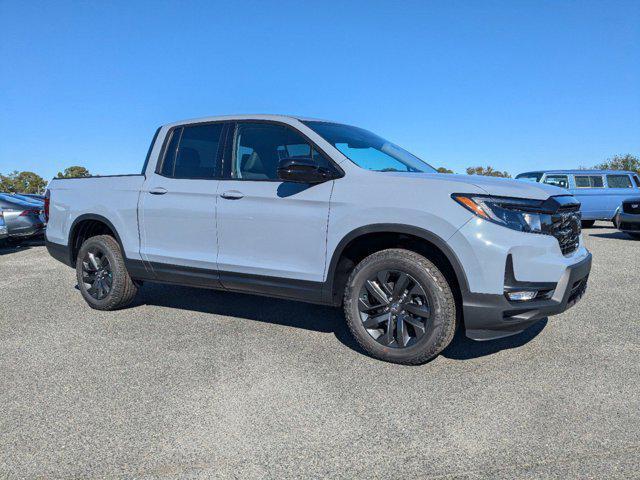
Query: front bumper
[[628, 222], [491, 316]]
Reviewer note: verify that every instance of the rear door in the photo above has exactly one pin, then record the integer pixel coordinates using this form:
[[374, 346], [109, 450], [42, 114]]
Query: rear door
[[178, 201], [266, 227]]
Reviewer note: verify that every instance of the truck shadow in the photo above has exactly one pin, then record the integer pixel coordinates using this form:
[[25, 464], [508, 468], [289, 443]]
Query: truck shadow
[[305, 316], [616, 235], [463, 348]]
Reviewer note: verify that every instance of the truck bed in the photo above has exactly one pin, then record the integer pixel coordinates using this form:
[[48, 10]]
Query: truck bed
[[112, 197]]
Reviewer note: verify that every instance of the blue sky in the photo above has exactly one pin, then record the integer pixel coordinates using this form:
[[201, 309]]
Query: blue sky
[[515, 84]]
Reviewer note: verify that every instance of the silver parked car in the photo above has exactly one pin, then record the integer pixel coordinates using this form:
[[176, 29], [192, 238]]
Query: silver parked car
[[23, 219], [4, 231]]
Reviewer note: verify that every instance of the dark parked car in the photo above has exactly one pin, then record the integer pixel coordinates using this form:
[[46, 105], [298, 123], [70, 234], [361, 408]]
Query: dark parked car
[[23, 219], [25, 197], [627, 217]]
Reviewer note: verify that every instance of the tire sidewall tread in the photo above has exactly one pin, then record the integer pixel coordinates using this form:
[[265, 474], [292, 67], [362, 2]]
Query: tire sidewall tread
[[123, 289], [437, 288]]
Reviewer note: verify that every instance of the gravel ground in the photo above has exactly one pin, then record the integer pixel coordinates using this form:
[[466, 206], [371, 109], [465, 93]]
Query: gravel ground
[[196, 384]]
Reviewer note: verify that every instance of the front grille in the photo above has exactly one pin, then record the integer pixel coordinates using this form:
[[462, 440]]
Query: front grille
[[632, 207], [565, 227]]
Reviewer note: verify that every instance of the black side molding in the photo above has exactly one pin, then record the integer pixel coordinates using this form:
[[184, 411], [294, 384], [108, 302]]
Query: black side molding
[[277, 287]]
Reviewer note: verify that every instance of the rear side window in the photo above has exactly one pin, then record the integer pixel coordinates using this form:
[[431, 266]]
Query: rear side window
[[561, 181], [192, 152], [589, 181], [619, 181]]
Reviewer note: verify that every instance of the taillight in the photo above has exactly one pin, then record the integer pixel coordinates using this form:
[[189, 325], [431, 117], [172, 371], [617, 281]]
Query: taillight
[[47, 196]]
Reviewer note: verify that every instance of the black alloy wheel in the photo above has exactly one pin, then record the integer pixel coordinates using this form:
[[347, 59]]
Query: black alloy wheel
[[102, 276], [394, 308], [97, 275], [400, 307]]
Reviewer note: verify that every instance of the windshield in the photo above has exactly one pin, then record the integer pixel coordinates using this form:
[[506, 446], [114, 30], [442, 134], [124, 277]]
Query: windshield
[[530, 177], [368, 150]]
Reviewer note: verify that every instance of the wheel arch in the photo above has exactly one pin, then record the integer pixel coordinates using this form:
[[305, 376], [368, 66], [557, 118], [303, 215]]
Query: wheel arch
[[86, 226], [388, 235]]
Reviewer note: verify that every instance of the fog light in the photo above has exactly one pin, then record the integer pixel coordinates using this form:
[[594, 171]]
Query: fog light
[[522, 296]]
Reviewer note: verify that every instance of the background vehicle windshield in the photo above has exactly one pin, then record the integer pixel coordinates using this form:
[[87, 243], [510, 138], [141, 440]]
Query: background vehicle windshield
[[368, 150], [531, 177]]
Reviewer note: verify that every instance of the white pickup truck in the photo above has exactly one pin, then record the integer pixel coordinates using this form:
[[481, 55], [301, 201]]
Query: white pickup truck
[[326, 213]]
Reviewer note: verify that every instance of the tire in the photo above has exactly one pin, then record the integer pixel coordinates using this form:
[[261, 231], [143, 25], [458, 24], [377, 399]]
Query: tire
[[425, 313], [104, 283], [635, 236], [588, 223]]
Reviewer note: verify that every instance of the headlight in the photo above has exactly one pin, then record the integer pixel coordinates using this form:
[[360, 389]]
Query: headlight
[[519, 214]]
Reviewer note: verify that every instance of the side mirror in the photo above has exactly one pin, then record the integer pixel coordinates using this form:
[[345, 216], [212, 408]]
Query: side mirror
[[302, 170]]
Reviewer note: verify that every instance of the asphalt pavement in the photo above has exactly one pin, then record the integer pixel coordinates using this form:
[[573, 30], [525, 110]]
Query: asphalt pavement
[[195, 383]]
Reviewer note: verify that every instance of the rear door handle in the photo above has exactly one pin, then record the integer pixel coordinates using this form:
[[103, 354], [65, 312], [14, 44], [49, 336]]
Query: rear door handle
[[158, 191], [232, 195]]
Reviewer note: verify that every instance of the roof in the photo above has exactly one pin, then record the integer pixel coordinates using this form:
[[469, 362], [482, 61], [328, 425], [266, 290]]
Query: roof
[[247, 116], [579, 172]]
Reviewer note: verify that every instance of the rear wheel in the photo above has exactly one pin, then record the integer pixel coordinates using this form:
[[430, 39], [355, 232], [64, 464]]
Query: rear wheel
[[102, 277], [587, 223], [400, 307]]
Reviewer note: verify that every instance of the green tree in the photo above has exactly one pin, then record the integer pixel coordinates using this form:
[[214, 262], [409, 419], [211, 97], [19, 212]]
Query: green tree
[[22, 182], [74, 172], [621, 162], [487, 171], [444, 170]]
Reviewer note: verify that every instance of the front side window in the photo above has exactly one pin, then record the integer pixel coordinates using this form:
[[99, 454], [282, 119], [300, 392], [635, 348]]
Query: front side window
[[561, 181], [619, 181], [259, 148], [589, 181], [637, 180], [368, 150], [192, 152]]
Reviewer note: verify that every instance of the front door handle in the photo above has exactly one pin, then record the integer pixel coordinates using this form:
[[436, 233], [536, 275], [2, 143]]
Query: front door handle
[[158, 191], [232, 195]]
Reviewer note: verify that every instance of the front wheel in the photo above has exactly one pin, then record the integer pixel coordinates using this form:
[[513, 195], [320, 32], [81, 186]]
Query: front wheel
[[102, 276], [400, 307], [635, 236]]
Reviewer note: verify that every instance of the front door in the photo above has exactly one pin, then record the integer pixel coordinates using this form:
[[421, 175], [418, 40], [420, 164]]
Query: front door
[[178, 202], [270, 232]]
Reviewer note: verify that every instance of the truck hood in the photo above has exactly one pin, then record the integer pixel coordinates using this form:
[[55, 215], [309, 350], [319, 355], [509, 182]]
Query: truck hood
[[503, 187]]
